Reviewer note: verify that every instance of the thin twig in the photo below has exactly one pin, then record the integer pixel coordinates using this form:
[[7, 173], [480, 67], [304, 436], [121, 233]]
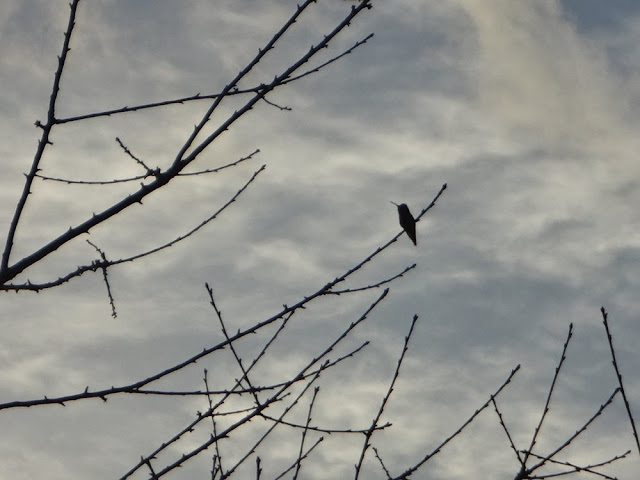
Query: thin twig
[[619, 376], [410, 471], [179, 160], [306, 454], [546, 404], [196, 451], [182, 159], [264, 436], [506, 431], [42, 144], [382, 465], [572, 437], [212, 96], [217, 458], [304, 433], [106, 264], [374, 285], [135, 159], [360, 431], [245, 372], [287, 310], [376, 419], [148, 174], [258, 468], [257, 411], [105, 277], [588, 468]]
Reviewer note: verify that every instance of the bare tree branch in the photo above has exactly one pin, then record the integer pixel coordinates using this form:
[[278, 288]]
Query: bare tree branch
[[103, 264], [619, 376], [410, 471], [374, 423], [198, 97], [42, 145], [181, 160], [546, 404]]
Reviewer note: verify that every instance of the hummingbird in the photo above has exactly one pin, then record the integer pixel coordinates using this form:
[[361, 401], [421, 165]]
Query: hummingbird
[[407, 222]]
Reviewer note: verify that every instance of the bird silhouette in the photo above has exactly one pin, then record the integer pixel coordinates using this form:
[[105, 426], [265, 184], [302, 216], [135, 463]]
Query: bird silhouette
[[407, 222]]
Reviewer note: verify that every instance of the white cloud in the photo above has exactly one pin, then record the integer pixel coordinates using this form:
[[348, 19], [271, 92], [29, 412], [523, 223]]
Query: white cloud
[[529, 118]]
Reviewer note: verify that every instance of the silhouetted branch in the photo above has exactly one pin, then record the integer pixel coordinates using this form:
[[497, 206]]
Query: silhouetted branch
[[546, 404], [105, 276], [217, 458], [126, 150], [197, 97], [258, 469], [148, 174], [306, 454], [275, 397], [327, 429], [273, 104], [287, 310], [375, 285], [410, 471], [42, 144], [619, 376], [304, 433], [376, 419], [103, 264], [431, 205], [582, 429], [587, 468], [181, 160], [245, 372], [382, 465], [506, 431]]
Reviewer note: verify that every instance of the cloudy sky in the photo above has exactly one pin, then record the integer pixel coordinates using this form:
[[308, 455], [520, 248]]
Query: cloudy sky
[[526, 109]]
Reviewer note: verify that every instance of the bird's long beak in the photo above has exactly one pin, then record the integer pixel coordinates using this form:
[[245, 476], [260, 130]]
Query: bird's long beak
[[394, 203]]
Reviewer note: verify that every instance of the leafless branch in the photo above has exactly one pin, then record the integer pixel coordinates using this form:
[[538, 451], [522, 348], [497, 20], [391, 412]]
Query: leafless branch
[[105, 276], [506, 431], [304, 433], [619, 376], [148, 174], [217, 458], [181, 160], [587, 468], [287, 310], [103, 264], [410, 471], [376, 419], [375, 285], [126, 150], [382, 465], [530, 470], [42, 144], [198, 97], [546, 404], [306, 454], [264, 405], [245, 372]]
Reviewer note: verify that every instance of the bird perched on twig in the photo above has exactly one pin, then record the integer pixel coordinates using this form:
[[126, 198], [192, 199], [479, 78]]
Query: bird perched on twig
[[407, 222]]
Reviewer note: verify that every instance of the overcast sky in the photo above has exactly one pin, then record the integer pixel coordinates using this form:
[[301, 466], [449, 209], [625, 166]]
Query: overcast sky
[[528, 110]]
